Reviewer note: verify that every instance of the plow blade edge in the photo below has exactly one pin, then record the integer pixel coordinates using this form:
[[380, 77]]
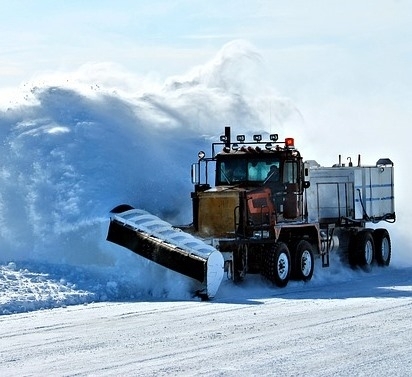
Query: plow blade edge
[[156, 240]]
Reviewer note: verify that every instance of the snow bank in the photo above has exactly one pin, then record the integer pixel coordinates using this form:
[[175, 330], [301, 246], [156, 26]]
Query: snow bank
[[24, 290], [27, 286]]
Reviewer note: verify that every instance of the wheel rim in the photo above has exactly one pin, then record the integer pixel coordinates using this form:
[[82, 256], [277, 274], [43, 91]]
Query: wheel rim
[[369, 252], [283, 266], [385, 249], [306, 263]]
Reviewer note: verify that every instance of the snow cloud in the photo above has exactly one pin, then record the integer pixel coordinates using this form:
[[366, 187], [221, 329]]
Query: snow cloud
[[77, 144]]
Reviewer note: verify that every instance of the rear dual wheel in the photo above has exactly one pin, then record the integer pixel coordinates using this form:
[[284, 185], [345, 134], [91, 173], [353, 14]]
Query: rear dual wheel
[[371, 245], [365, 249], [383, 247]]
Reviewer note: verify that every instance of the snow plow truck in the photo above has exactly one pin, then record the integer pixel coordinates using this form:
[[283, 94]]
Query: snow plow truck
[[269, 212]]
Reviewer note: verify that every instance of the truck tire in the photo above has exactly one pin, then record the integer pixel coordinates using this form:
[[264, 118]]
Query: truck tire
[[383, 247], [365, 249], [277, 266], [303, 261], [239, 263]]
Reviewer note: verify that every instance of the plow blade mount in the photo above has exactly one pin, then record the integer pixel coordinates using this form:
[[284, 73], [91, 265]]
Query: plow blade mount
[[158, 241]]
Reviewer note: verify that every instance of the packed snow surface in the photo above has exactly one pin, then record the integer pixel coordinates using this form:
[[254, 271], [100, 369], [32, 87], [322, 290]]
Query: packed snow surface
[[340, 324], [72, 303]]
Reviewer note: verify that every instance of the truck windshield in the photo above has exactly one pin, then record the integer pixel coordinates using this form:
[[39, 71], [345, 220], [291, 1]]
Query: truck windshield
[[242, 170]]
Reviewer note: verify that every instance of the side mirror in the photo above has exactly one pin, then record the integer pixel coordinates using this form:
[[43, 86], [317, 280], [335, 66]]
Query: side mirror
[[306, 172], [195, 174]]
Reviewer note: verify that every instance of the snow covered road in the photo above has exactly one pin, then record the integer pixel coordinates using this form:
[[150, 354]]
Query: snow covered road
[[361, 326]]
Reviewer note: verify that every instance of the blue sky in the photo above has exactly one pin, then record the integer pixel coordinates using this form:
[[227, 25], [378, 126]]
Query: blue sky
[[362, 40], [343, 64]]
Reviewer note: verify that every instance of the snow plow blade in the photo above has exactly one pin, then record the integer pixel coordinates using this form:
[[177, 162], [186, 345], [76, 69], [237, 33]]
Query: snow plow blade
[[158, 241]]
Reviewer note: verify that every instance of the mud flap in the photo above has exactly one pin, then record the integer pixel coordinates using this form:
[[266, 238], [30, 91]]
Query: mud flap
[[156, 240]]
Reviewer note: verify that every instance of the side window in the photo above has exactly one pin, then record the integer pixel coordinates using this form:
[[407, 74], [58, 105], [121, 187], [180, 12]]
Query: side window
[[223, 173], [290, 172]]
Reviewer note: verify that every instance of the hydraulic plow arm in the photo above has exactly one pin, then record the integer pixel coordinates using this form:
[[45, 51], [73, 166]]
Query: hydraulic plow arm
[[156, 240]]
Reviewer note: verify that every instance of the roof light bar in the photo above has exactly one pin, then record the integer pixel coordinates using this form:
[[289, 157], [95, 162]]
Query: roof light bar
[[257, 138]]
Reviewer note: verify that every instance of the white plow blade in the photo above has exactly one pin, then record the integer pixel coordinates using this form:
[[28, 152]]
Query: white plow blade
[[155, 239]]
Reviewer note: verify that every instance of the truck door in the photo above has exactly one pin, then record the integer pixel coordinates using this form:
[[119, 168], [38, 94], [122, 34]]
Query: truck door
[[292, 205]]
